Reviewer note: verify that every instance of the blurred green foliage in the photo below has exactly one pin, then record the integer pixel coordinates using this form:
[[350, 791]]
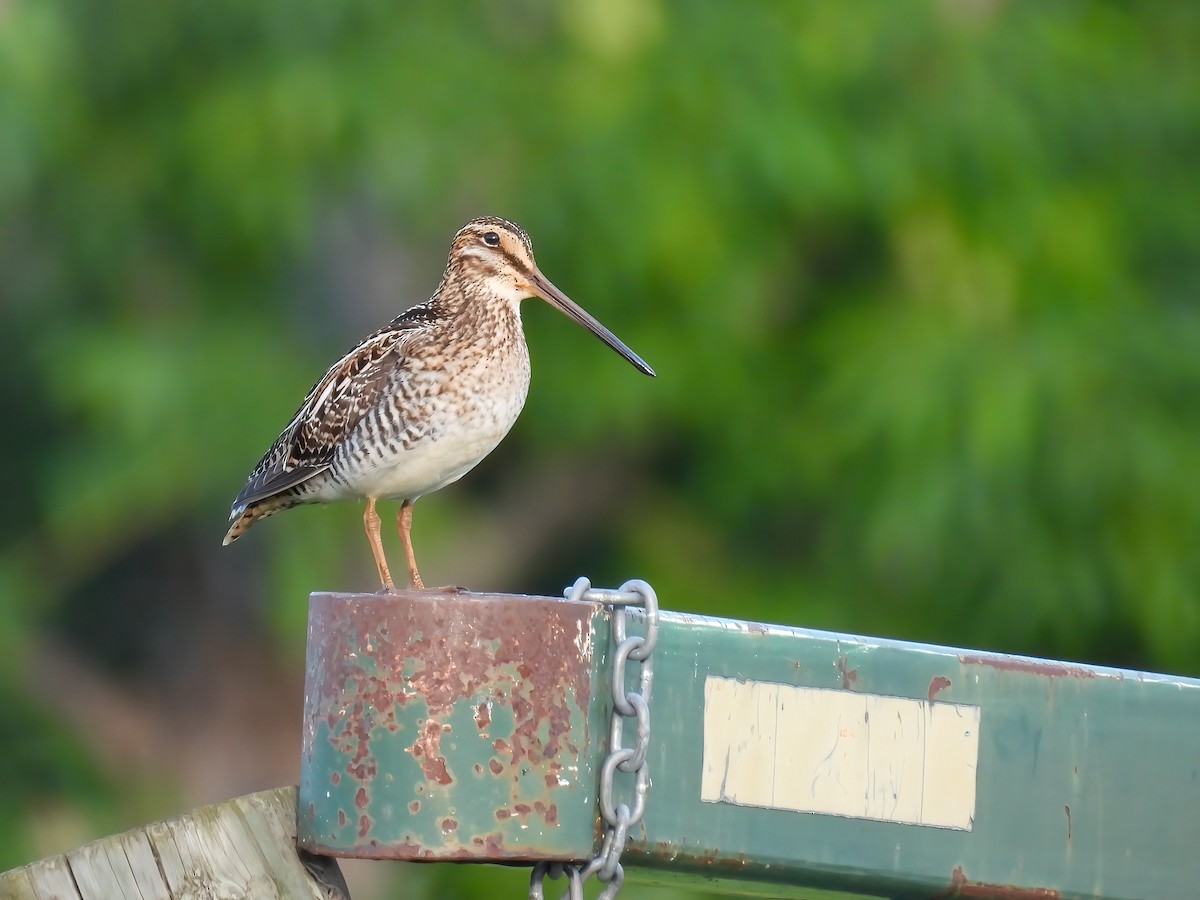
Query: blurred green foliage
[[919, 280]]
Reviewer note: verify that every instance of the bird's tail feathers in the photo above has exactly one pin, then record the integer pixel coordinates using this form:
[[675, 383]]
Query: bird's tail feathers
[[243, 517]]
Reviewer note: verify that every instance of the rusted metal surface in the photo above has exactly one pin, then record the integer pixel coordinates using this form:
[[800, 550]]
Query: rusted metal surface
[[451, 726], [849, 675], [472, 728], [962, 888], [937, 683], [1030, 666]]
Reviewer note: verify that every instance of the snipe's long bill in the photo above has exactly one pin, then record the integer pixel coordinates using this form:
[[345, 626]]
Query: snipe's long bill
[[417, 404]]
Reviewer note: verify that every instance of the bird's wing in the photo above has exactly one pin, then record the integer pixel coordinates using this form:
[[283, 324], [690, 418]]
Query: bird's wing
[[332, 409]]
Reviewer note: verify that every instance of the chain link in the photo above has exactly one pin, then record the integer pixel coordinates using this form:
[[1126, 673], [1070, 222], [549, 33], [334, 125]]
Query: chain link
[[545, 869], [617, 817]]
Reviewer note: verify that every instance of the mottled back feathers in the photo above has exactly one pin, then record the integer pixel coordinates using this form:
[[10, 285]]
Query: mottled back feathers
[[332, 409]]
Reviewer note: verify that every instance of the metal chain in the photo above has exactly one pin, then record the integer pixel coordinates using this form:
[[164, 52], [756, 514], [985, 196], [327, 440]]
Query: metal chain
[[617, 817]]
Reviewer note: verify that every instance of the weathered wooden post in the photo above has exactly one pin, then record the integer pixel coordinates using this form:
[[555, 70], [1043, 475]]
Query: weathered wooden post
[[241, 848]]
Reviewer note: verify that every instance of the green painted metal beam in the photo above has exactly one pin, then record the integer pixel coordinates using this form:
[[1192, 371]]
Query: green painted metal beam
[[906, 770], [779, 756]]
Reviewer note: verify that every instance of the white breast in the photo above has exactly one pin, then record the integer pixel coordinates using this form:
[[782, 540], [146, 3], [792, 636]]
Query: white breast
[[455, 411]]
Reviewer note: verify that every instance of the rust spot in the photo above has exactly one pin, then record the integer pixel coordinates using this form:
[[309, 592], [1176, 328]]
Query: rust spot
[[477, 841], [449, 825], [478, 769], [521, 811], [335, 777], [436, 771], [483, 716], [1030, 666], [495, 765], [360, 798], [1067, 810], [414, 806], [426, 750], [364, 825], [849, 676], [341, 818], [960, 887], [700, 857], [938, 683]]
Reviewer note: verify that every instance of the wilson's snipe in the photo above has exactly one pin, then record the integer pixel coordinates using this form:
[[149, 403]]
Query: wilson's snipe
[[417, 404]]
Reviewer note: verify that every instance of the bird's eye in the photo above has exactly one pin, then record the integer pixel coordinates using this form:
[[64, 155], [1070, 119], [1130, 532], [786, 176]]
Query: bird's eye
[[491, 239]]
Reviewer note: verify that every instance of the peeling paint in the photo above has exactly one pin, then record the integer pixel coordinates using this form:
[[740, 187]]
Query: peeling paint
[[426, 751], [936, 684], [849, 676], [961, 888], [1030, 666], [391, 675]]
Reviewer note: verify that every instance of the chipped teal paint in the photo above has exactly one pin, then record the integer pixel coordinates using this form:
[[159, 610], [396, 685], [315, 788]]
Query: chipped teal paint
[[452, 726], [1088, 778]]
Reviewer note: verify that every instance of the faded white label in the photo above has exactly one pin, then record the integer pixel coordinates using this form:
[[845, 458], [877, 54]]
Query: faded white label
[[840, 753]]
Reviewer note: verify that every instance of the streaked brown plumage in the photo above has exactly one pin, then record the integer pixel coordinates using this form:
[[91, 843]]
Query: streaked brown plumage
[[419, 403]]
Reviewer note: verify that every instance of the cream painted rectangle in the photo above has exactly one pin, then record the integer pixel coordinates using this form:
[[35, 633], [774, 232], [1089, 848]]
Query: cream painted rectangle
[[840, 753]]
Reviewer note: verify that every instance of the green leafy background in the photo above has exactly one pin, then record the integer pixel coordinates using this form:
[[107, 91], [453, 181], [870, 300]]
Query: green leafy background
[[919, 280]]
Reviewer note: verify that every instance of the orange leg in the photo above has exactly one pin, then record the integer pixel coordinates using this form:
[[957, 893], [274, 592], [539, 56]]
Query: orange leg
[[371, 524], [404, 526]]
